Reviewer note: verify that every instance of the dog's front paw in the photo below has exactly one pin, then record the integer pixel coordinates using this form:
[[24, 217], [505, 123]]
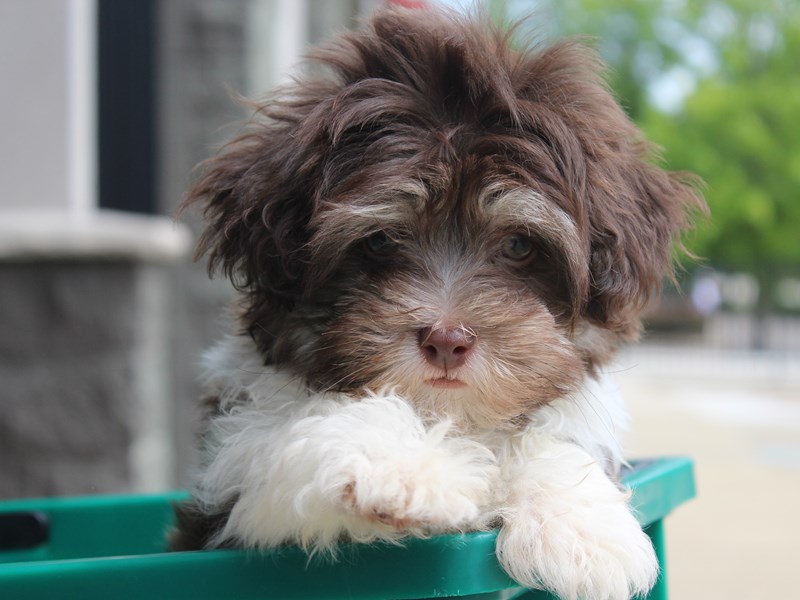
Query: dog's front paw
[[403, 504], [428, 491], [597, 554]]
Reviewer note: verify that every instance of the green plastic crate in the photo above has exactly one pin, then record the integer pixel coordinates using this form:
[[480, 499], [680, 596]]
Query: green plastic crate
[[113, 547]]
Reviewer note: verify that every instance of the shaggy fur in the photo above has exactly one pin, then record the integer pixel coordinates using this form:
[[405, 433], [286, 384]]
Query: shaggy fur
[[439, 241]]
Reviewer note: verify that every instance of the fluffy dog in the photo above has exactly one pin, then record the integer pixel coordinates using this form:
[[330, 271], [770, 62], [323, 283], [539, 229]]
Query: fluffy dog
[[439, 241]]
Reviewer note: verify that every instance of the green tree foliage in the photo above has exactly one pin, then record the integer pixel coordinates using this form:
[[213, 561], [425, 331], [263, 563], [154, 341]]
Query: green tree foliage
[[740, 131]]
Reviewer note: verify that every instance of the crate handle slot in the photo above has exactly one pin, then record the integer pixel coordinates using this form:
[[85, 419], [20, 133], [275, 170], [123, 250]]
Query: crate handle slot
[[23, 530]]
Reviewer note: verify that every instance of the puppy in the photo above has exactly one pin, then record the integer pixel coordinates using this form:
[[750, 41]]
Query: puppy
[[439, 240]]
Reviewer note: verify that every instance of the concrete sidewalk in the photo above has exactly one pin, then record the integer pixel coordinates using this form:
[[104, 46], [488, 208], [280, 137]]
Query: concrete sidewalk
[[738, 416]]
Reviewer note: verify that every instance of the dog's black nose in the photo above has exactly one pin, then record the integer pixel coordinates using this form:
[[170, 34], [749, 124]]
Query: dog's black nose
[[446, 348]]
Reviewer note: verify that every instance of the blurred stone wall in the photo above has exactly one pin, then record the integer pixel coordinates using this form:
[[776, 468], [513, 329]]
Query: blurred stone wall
[[76, 366], [100, 355]]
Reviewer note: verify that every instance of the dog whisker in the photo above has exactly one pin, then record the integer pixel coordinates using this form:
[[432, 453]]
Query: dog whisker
[[251, 372]]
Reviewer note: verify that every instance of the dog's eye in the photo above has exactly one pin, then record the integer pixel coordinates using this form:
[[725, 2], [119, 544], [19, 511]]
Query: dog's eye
[[380, 245], [519, 248]]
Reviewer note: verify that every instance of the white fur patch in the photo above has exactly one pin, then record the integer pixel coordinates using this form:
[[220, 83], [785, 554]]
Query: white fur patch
[[311, 469], [566, 527], [315, 470]]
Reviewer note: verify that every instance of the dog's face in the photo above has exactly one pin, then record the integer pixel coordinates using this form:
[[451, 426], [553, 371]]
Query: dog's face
[[457, 291], [473, 225]]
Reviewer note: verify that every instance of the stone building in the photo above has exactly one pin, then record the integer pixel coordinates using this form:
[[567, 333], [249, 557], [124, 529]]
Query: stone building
[[106, 108]]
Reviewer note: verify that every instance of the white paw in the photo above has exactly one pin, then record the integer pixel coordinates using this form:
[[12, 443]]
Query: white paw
[[595, 554], [429, 490]]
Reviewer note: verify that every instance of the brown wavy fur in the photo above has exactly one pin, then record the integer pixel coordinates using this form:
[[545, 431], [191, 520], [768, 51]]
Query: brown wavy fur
[[408, 93], [430, 121]]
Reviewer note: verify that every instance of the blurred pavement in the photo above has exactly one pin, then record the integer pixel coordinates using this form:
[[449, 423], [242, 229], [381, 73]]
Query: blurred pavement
[[737, 414]]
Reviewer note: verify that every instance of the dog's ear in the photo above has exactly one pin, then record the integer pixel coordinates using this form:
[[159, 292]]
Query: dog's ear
[[257, 196], [638, 213], [632, 211]]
